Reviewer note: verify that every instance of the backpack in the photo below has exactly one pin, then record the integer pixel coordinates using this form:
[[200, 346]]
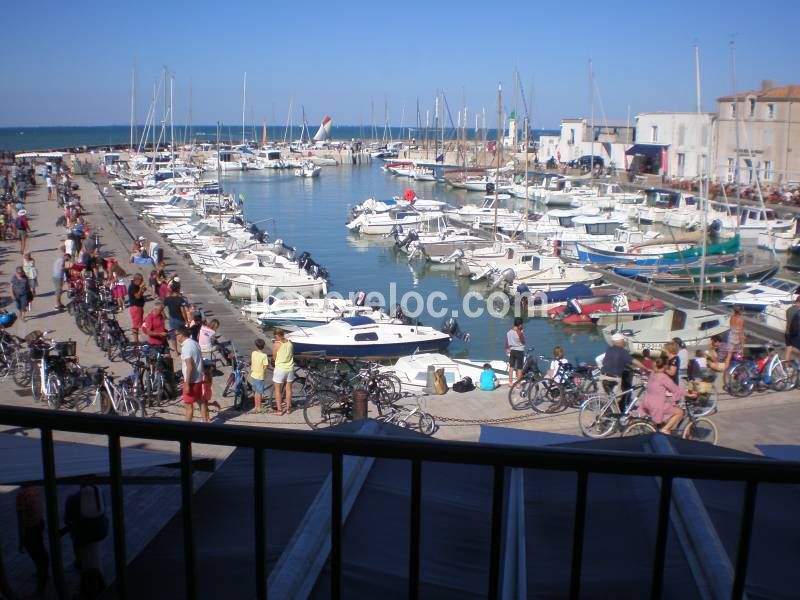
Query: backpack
[[463, 385]]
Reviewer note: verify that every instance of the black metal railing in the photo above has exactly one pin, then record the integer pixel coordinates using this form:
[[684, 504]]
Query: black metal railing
[[752, 472]]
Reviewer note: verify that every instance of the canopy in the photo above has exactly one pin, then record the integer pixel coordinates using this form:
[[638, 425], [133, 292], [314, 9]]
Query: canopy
[[651, 151], [24, 155]]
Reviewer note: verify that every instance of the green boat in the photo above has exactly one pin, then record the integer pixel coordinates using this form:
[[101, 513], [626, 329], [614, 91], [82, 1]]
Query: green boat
[[730, 246]]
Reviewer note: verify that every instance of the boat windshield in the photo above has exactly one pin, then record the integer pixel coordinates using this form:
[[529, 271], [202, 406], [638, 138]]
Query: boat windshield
[[602, 228]]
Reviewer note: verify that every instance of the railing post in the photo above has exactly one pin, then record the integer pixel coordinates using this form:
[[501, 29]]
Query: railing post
[[51, 508], [497, 530], [260, 533], [414, 529], [336, 525], [187, 492], [745, 533], [577, 536], [661, 537], [118, 518]]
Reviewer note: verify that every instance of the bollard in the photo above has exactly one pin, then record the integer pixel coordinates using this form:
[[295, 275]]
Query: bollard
[[360, 396], [430, 388]]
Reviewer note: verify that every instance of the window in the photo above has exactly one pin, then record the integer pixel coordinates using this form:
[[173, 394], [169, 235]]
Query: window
[[681, 164], [681, 135], [770, 111], [571, 136], [731, 169], [752, 103], [654, 133], [768, 171], [366, 337], [733, 110]]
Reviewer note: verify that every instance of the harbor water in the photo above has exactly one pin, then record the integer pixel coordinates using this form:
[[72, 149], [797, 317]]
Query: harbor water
[[310, 213]]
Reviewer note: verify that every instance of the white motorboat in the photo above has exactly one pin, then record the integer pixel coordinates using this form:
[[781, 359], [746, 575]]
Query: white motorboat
[[365, 338], [254, 288], [694, 327], [778, 241], [384, 222], [535, 273], [412, 370], [309, 169], [771, 291], [747, 221]]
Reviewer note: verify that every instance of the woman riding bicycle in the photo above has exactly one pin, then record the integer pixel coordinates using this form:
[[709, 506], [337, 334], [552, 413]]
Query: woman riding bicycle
[[660, 397]]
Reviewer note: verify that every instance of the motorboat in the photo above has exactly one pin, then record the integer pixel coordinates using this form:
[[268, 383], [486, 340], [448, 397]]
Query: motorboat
[[747, 221], [577, 312], [436, 245], [769, 292], [384, 222], [653, 251], [258, 287], [294, 311], [694, 327], [667, 207], [412, 370], [363, 337], [309, 169], [778, 241]]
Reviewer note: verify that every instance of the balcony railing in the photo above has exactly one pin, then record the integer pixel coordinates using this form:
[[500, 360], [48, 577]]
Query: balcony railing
[[752, 472]]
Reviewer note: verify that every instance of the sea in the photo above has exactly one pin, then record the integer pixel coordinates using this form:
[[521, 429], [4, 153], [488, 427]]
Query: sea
[[25, 139]]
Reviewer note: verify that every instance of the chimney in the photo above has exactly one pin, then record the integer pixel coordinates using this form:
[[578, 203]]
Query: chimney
[[767, 84]]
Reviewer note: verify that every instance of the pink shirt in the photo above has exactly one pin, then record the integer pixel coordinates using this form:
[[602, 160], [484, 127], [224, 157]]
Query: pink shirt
[[655, 402]]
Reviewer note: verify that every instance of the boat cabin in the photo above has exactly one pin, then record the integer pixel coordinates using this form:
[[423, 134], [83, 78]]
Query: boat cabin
[[596, 225]]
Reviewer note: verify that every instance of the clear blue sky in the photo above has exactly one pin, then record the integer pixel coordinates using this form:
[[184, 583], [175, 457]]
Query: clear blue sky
[[70, 63]]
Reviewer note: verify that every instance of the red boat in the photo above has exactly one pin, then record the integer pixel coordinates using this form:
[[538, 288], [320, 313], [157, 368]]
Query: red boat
[[576, 312]]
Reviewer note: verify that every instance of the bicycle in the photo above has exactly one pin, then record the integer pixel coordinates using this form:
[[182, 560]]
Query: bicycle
[[150, 373], [402, 416], [767, 372], [600, 415], [567, 388], [238, 383], [518, 394], [121, 398], [691, 427]]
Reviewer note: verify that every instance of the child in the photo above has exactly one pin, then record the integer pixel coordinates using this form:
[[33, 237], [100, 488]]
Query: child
[[646, 360], [557, 365], [488, 378], [119, 284], [29, 266], [208, 379]]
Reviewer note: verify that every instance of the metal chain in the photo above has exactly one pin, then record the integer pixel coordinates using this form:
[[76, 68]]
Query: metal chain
[[517, 419]]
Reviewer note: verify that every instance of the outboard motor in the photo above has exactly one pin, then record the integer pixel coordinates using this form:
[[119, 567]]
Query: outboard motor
[[457, 253], [462, 268], [310, 266], [451, 328], [715, 226], [412, 236], [397, 313], [360, 298], [223, 286], [396, 231]]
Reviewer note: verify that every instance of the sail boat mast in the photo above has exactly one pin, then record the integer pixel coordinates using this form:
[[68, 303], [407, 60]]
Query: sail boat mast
[[244, 101], [133, 101], [497, 150], [700, 172]]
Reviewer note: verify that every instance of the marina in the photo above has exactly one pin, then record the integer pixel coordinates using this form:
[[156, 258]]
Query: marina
[[374, 318]]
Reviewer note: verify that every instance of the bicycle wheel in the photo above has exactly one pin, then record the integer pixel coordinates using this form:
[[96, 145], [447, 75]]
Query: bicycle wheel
[[546, 397], [22, 372], [54, 391], [783, 376], [228, 385], [598, 417], [701, 430], [519, 392], [390, 383], [328, 410], [427, 424], [739, 382], [158, 388], [704, 405], [239, 397], [638, 427], [36, 386]]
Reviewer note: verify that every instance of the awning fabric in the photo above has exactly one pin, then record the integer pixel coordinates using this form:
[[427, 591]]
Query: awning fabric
[[651, 151]]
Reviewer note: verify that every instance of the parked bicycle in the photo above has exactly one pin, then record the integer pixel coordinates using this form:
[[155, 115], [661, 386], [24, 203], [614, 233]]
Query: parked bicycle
[[568, 388], [121, 398], [767, 372], [409, 416]]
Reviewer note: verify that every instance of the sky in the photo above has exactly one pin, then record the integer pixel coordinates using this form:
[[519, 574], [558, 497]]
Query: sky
[[71, 64]]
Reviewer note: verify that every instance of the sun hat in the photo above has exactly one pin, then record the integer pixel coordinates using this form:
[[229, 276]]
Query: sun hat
[[22, 212], [617, 337]]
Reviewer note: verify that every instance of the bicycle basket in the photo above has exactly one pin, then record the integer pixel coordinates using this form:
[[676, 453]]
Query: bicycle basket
[[66, 349], [33, 336], [38, 352]]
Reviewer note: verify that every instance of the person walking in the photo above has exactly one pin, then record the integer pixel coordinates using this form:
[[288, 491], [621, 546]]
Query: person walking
[[177, 316], [30, 526], [21, 291], [23, 227], [60, 265], [32, 273], [283, 374], [192, 369], [136, 305], [515, 350], [258, 373], [735, 335], [792, 333]]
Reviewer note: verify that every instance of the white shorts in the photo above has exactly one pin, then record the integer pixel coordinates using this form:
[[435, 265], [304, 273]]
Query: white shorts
[[280, 376]]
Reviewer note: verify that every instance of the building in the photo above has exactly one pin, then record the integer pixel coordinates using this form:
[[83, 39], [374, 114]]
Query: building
[[673, 144], [768, 128], [608, 140]]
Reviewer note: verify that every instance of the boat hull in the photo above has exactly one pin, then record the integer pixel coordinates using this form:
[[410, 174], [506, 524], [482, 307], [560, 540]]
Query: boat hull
[[379, 350]]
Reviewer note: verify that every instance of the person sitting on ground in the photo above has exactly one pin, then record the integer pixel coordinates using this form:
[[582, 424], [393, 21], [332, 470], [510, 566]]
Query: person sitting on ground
[[555, 372], [488, 380], [660, 397]]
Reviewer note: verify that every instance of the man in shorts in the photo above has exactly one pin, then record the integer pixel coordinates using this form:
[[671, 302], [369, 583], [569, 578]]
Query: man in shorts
[[283, 375], [515, 349], [136, 305], [192, 368]]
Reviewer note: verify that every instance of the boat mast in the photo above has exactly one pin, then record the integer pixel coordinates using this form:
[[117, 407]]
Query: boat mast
[[244, 101], [171, 126], [527, 140], [591, 116], [736, 129], [497, 150], [133, 101], [219, 183], [700, 172]]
